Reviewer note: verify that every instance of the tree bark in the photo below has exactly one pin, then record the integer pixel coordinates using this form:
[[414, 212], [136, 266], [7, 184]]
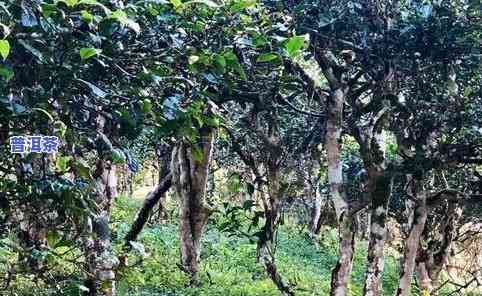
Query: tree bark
[[266, 248], [315, 214], [430, 261], [420, 213], [189, 179], [379, 186], [448, 231], [424, 280], [346, 227], [341, 273], [143, 215], [100, 258], [164, 153]]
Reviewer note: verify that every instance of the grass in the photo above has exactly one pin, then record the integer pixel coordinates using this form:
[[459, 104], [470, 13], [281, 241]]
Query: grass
[[228, 263], [229, 266]]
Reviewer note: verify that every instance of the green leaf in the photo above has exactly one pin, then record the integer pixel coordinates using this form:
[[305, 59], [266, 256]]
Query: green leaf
[[86, 53], [4, 49], [294, 45], [231, 59], [193, 59], [213, 121], [241, 72], [266, 57], [233, 62], [176, 3], [62, 163], [82, 169], [48, 10], [146, 106], [52, 237], [70, 3], [86, 16], [118, 156], [237, 6], [60, 127], [121, 17], [89, 2], [260, 41], [95, 3], [197, 153], [220, 63], [44, 112], [6, 72], [63, 243], [248, 204], [208, 3]]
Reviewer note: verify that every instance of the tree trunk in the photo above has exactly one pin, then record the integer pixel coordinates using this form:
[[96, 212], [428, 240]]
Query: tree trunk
[[164, 153], [412, 243], [340, 276], [431, 261], [266, 248], [448, 231], [189, 179], [100, 258], [379, 186], [130, 182], [151, 200], [334, 125], [341, 273], [424, 280], [315, 214]]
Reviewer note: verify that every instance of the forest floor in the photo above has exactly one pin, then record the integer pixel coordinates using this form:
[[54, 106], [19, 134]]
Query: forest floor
[[228, 262], [229, 266]]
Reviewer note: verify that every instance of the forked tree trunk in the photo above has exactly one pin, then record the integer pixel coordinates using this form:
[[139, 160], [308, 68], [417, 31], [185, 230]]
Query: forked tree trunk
[[430, 262], [189, 172], [266, 248], [420, 213], [340, 276], [379, 186]]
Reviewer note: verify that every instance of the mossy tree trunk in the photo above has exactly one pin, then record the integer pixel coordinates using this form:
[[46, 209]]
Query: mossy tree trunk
[[346, 226], [379, 185], [189, 177]]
